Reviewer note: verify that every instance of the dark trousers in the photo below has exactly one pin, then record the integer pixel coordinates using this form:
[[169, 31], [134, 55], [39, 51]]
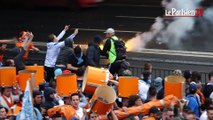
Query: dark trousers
[[114, 67], [49, 73]]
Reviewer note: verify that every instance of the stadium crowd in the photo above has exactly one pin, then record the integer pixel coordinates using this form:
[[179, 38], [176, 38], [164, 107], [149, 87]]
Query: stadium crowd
[[63, 58]]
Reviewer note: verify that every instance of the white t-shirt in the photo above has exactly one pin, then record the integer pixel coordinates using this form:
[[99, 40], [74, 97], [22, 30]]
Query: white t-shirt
[[204, 116], [80, 112], [211, 95], [143, 88]]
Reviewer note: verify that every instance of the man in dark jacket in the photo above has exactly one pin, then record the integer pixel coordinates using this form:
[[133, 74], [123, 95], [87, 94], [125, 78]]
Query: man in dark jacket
[[93, 52], [49, 98], [37, 98]]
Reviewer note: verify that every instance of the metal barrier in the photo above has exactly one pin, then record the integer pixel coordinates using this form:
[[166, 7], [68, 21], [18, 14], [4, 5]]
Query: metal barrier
[[162, 72], [156, 72]]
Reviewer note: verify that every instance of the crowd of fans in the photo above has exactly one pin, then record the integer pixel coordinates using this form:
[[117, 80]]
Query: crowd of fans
[[63, 58]]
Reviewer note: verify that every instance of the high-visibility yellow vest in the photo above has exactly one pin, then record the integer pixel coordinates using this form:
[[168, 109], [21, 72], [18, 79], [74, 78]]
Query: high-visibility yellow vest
[[112, 51]]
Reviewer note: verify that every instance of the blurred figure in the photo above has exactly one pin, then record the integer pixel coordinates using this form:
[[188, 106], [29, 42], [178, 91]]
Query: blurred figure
[[67, 100], [168, 114], [144, 85], [177, 72], [193, 100], [124, 68], [187, 76], [93, 116], [158, 83], [196, 77], [152, 94], [21, 38], [132, 117], [78, 59], [18, 60], [135, 100], [190, 116], [112, 116], [37, 99], [49, 98], [208, 88], [2, 50], [148, 67], [160, 94], [6, 98], [94, 52], [155, 113], [210, 113], [3, 113], [125, 102], [208, 104]]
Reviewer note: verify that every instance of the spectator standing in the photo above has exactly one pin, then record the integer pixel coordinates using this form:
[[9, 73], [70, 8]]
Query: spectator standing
[[144, 85], [53, 49], [193, 102], [21, 38], [75, 100], [94, 52], [18, 61], [208, 88], [109, 50]]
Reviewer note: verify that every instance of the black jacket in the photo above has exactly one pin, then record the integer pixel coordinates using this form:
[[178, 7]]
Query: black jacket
[[107, 47], [65, 56], [93, 55], [49, 102]]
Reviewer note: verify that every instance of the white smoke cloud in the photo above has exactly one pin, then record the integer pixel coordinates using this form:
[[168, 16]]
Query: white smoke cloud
[[170, 33], [208, 14], [139, 42]]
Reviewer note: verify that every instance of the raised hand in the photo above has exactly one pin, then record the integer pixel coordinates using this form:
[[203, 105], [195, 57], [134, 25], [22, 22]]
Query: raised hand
[[66, 27], [76, 32], [30, 35]]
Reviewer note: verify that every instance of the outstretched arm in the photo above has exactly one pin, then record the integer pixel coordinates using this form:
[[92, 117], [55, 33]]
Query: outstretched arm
[[35, 49], [62, 32], [7, 41], [72, 35], [69, 40]]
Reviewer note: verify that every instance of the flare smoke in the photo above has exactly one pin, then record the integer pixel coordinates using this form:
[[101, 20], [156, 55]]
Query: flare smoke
[[179, 33]]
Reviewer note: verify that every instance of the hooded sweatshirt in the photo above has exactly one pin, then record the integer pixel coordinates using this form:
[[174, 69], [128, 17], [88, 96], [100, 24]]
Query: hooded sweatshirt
[[49, 102]]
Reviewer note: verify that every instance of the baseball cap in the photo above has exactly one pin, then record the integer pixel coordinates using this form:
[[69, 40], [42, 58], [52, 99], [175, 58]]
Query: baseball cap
[[193, 86], [110, 31]]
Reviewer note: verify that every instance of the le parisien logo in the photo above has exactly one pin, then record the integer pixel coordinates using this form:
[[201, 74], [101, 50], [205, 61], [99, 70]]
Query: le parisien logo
[[198, 12]]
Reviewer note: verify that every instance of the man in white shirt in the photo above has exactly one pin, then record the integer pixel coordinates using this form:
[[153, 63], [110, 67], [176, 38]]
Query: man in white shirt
[[53, 49], [144, 85], [75, 100]]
